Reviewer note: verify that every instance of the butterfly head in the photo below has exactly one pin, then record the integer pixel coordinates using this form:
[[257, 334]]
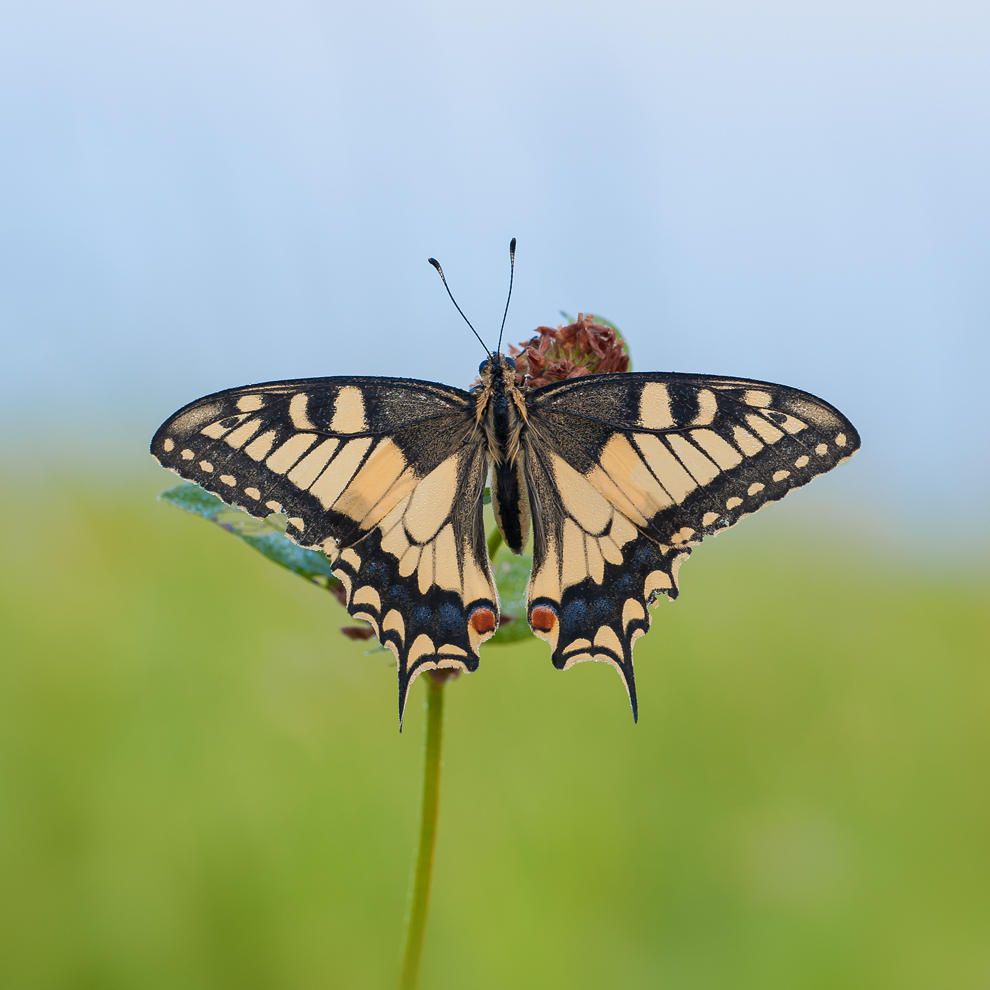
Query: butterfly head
[[497, 366]]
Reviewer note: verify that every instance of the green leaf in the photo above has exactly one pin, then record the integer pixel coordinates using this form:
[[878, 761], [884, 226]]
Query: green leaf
[[267, 536]]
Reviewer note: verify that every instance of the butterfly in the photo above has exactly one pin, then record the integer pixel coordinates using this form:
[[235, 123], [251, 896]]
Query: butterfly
[[613, 478]]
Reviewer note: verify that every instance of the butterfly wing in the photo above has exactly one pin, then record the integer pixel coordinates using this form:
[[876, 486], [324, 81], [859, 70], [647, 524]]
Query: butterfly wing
[[627, 472], [386, 476]]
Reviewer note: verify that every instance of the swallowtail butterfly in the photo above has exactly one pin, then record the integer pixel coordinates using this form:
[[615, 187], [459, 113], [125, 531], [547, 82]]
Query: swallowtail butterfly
[[616, 477]]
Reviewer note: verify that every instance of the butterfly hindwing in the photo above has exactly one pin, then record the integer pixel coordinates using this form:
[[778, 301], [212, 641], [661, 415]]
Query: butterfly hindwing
[[421, 576], [385, 476], [594, 574], [628, 471]]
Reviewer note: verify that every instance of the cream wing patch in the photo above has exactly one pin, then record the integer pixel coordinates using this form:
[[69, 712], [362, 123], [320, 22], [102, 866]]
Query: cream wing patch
[[348, 413], [375, 490], [419, 533], [332, 482], [431, 502], [595, 536], [654, 407]]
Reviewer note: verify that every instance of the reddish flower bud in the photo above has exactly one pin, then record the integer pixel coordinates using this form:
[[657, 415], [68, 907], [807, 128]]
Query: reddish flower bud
[[580, 348]]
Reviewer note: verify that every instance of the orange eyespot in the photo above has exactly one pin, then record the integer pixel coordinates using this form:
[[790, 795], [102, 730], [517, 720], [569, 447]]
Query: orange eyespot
[[543, 618], [483, 621]]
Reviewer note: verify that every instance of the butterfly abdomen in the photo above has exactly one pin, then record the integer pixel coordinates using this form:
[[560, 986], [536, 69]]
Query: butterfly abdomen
[[510, 500]]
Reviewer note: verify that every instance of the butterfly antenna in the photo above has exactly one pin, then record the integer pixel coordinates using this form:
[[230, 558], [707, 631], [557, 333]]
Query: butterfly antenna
[[512, 272], [436, 265]]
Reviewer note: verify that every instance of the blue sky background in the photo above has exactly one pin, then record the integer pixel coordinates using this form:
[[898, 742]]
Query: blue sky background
[[200, 195]]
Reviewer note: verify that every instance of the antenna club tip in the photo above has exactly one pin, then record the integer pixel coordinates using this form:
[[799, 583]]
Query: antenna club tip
[[434, 262], [512, 246]]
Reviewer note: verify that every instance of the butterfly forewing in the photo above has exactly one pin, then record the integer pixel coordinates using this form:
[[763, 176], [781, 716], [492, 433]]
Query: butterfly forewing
[[629, 471], [684, 456], [385, 476]]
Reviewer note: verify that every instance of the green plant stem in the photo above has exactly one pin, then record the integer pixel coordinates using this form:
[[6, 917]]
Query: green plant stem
[[494, 542], [420, 899]]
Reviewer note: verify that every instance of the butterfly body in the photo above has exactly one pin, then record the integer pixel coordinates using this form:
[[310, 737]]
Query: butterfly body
[[501, 406], [615, 476]]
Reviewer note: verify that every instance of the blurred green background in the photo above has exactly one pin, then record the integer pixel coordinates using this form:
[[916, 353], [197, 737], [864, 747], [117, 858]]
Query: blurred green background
[[203, 784]]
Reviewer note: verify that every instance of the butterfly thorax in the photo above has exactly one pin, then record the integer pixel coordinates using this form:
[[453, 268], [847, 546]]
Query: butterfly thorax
[[501, 413], [501, 408]]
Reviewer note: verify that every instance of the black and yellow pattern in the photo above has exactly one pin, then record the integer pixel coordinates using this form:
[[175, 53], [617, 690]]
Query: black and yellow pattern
[[618, 476], [633, 470]]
